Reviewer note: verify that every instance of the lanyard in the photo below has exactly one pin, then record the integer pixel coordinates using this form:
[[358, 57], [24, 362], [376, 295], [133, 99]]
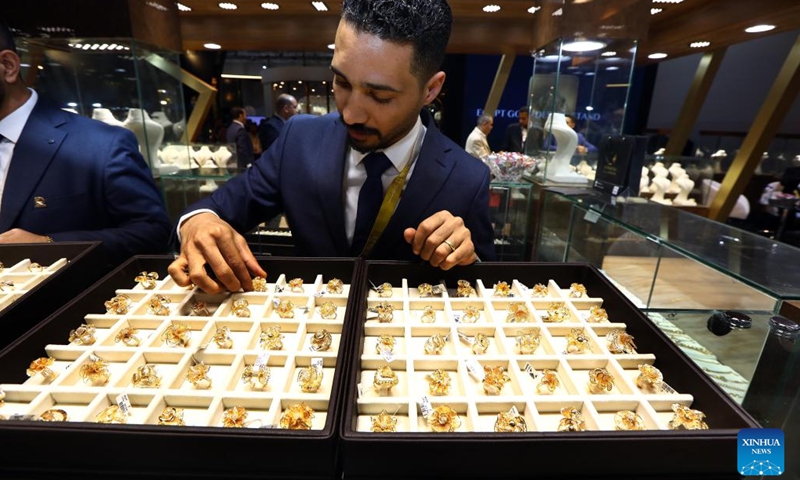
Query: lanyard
[[392, 197]]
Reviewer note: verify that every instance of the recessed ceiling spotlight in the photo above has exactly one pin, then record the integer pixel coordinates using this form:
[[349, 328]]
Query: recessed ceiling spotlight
[[667, 1], [759, 28], [491, 8], [612, 68], [183, 8], [653, 11], [533, 10], [589, 108], [583, 46], [320, 6], [97, 105], [228, 6], [270, 6], [332, 46], [589, 74], [608, 54], [657, 56], [72, 104], [699, 44], [263, 67], [212, 46]]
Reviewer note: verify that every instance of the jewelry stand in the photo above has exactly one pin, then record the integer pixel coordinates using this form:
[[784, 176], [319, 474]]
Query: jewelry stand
[[204, 157], [104, 115], [177, 155], [644, 181], [676, 171], [149, 134], [659, 187], [223, 156], [558, 168], [686, 185]]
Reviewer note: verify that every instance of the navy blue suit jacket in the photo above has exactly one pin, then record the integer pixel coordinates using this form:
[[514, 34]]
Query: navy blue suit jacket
[[93, 181], [302, 175], [269, 130]]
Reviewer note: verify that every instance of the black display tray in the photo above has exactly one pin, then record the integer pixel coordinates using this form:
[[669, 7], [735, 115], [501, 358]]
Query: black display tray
[[591, 454], [84, 267], [90, 450]]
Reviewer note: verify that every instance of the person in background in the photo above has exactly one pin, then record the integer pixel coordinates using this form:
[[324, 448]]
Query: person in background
[[477, 144], [64, 177], [252, 132], [583, 145], [285, 108], [238, 136], [516, 133]]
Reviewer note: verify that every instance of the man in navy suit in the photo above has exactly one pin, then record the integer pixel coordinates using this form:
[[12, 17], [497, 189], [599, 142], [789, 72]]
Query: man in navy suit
[[237, 135], [386, 71], [69, 178], [268, 131], [516, 133]]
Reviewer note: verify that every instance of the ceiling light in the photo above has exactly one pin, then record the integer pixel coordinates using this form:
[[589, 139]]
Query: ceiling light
[[332, 46], [759, 28], [653, 11], [263, 67], [183, 8], [554, 58], [491, 8], [163, 102], [270, 6], [657, 56], [97, 105], [212, 46], [228, 6], [699, 44], [589, 108], [667, 1], [241, 77], [534, 9], [608, 54], [612, 68], [589, 74], [320, 6], [582, 46]]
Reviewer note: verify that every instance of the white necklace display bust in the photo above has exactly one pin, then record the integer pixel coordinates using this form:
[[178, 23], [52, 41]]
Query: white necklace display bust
[[104, 115], [149, 133], [558, 167], [686, 185]]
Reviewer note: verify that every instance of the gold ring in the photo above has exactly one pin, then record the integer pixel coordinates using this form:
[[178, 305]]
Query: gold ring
[[171, 416], [327, 311], [597, 315], [198, 376], [508, 422], [572, 421], [577, 290], [556, 312], [686, 418], [239, 307], [435, 344], [95, 372], [620, 341], [334, 286], [259, 284], [502, 289], [7, 284], [234, 417], [386, 343], [548, 383], [129, 336], [53, 415], [439, 382], [285, 309], [296, 285], [159, 305], [428, 315], [384, 423], [528, 342], [310, 379], [223, 338], [384, 290], [321, 341], [257, 378], [600, 380], [471, 314], [428, 290], [577, 341], [385, 312], [271, 338], [177, 334], [494, 379], [147, 280], [650, 378], [627, 420], [444, 419], [199, 309], [146, 376], [297, 417], [118, 305], [111, 414], [449, 244], [83, 335], [464, 289], [480, 344], [540, 290], [384, 379], [42, 366], [35, 267], [518, 313]]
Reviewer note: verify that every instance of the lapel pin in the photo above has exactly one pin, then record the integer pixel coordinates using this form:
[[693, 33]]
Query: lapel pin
[[51, 141], [39, 202]]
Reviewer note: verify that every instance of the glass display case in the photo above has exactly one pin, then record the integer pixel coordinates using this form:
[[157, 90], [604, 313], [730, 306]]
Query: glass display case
[[511, 217]]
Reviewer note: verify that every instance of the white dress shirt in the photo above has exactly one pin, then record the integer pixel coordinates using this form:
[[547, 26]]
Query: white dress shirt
[[11, 129]]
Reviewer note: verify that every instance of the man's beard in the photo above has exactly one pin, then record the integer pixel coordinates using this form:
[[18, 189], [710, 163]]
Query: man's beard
[[362, 146]]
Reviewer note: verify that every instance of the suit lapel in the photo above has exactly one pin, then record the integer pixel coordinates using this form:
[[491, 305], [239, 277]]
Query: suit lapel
[[37, 145], [330, 166]]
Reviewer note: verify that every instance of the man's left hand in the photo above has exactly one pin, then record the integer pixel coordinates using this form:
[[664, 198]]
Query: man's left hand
[[18, 235], [442, 240]]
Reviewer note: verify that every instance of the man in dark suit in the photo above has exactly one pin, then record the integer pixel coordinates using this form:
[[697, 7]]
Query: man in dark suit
[[321, 169], [69, 178], [268, 131], [516, 133], [238, 136]]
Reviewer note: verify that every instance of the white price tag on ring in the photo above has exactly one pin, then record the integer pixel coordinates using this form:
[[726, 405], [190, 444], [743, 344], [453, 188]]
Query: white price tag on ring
[[425, 406], [124, 403], [261, 360], [475, 369]]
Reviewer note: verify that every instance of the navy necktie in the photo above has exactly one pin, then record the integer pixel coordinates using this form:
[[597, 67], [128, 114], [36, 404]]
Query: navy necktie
[[370, 198]]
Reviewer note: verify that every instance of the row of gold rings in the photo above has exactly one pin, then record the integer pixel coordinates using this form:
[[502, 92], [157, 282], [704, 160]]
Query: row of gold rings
[[428, 314], [222, 337], [241, 307], [297, 417], [285, 309], [502, 289], [548, 383], [557, 312], [259, 284], [650, 378], [597, 315], [619, 341], [321, 341], [83, 335], [159, 305], [518, 313], [271, 338], [464, 289], [528, 342], [385, 344], [439, 382], [172, 416], [494, 379], [95, 372], [510, 422], [35, 267], [327, 310], [471, 314], [310, 378], [577, 290], [686, 418], [384, 290], [540, 290], [256, 377], [383, 423], [435, 344], [177, 334], [600, 380], [199, 308], [41, 366], [53, 415], [627, 420], [197, 375], [147, 280], [385, 379], [296, 285], [111, 414], [129, 336], [572, 421], [443, 419], [577, 341], [118, 305], [428, 290], [146, 376], [334, 286]]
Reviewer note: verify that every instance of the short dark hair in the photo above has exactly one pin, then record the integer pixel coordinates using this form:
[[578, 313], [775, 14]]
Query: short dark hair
[[423, 24], [6, 38], [236, 112], [284, 100], [522, 110]]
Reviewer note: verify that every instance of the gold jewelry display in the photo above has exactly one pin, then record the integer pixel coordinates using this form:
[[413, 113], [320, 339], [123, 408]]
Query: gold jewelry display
[[464, 289], [572, 421], [177, 334], [321, 341], [241, 308], [197, 375], [439, 382], [297, 417], [95, 372], [471, 314], [118, 305], [383, 423], [310, 379], [548, 383], [285, 309], [435, 344], [112, 414], [557, 312], [35, 268], [577, 290], [527, 342], [444, 419], [199, 309], [234, 417], [334, 286], [83, 335], [650, 378], [480, 344], [296, 285], [41, 366], [222, 337], [53, 415], [428, 314], [597, 315], [385, 379], [518, 313], [428, 290], [146, 376], [502, 289], [620, 341], [159, 305], [259, 284], [384, 290], [685, 418], [386, 343], [271, 338], [171, 416], [147, 280], [257, 378], [577, 341], [385, 312], [507, 422], [627, 420], [540, 291], [494, 379], [129, 336], [600, 380], [327, 311]]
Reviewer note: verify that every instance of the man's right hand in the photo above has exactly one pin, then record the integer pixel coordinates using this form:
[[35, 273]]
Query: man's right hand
[[207, 239]]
